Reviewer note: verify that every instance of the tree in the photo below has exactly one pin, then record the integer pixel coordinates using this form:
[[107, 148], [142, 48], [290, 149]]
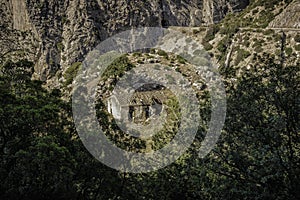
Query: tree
[[41, 156], [258, 156]]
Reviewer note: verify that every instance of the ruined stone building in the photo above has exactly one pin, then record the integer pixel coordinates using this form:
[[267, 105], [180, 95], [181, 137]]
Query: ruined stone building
[[145, 103]]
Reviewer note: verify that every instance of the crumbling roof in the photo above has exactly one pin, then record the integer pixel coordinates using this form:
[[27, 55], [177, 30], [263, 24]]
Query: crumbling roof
[[147, 98]]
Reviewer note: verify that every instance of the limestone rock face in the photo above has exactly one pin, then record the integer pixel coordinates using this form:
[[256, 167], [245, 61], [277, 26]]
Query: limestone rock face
[[54, 34], [289, 18], [215, 10]]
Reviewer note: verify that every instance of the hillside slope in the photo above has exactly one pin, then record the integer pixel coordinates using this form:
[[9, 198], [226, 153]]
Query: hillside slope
[[55, 34]]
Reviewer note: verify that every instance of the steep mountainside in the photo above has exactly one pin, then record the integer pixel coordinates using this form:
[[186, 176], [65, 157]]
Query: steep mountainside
[[55, 34], [289, 18], [264, 28]]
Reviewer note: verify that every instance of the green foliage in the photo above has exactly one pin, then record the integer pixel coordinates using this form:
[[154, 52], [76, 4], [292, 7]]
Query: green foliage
[[137, 54], [60, 46], [207, 46], [258, 43], [41, 156], [45, 169], [258, 46], [278, 52], [229, 29], [297, 38], [162, 53], [268, 32], [64, 19], [28, 113], [258, 49], [211, 32], [257, 157], [148, 56], [255, 11], [224, 44], [241, 55], [152, 51], [171, 125], [271, 3], [265, 18], [180, 59], [246, 41], [261, 130], [297, 47], [202, 29], [247, 38], [259, 18], [71, 73], [140, 61], [40, 5], [288, 51], [118, 68], [196, 31]]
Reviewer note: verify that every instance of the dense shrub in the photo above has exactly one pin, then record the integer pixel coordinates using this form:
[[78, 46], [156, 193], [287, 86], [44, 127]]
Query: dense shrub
[[71, 73], [297, 38], [211, 32], [241, 54]]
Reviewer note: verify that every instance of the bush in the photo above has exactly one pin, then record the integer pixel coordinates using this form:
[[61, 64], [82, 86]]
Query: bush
[[118, 68], [60, 46], [196, 31], [277, 52], [137, 54], [207, 46], [255, 11], [241, 55], [152, 51], [246, 43], [71, 73], [257, 44], [230, 29], [268, 32], [223, 44], [140, 62], [202, 29], [180, 59], [162, 53], [211, 32], [258, 49], [297, 38], [288, 51], [271, 3]]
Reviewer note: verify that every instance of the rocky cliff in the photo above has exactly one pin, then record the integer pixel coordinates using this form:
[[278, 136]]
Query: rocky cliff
[[54, 34], [289, 18]]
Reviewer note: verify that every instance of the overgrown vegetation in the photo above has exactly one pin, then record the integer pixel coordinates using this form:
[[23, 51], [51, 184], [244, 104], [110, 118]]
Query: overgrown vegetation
[[224, 44], [162, 53], [211, 32], [117, 68], [297, 38], [71, 73], [241, 55], [257, 155], [180, 59], [207, 46], [43, 158], [288, 51]]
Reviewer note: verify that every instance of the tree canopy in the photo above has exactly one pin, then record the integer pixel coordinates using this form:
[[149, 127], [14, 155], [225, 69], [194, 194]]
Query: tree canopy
[[257, 156]]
